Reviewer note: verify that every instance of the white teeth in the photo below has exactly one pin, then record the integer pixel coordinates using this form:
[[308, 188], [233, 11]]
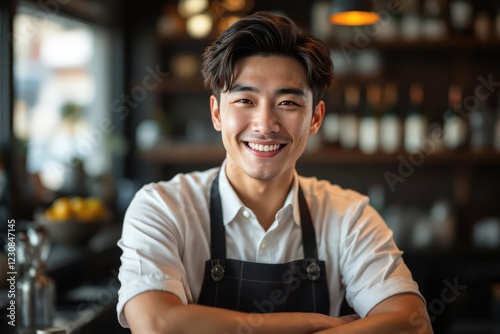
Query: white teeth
[[264, 148]]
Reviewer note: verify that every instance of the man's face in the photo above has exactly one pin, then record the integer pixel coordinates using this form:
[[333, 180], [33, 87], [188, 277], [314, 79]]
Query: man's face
[[266, 117]]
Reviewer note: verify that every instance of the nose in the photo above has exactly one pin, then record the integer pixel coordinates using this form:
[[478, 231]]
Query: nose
[[265, 120]]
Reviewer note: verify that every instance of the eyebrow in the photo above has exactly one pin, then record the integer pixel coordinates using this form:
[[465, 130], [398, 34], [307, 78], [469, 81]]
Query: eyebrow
[[282, 91], [242, 88]]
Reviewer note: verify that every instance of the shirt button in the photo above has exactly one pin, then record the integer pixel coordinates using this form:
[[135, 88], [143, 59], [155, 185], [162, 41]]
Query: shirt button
[[246, 214], [263, 245]]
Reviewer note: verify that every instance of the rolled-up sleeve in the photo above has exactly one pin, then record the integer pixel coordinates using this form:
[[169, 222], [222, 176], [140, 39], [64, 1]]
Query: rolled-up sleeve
[[372, 265], [150, 243]]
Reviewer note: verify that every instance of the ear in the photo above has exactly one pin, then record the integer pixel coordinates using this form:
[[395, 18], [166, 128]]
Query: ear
[[317, 118], [215, 113]]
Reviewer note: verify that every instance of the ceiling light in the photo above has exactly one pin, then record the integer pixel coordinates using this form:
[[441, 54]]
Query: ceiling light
[[353, 12]]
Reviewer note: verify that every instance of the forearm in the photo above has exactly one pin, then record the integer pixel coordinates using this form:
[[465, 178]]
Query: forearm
[[162, 313], [202, 319], [404, 313], [383, 324]]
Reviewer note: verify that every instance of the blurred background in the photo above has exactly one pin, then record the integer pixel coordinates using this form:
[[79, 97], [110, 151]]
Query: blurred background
[[99, 98]]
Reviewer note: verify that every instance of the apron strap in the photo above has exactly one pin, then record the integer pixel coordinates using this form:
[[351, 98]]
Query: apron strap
[[308, 235], [218, 232]]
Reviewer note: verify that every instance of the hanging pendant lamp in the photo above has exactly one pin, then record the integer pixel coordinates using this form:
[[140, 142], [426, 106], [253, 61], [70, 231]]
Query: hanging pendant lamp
[[353, 12]]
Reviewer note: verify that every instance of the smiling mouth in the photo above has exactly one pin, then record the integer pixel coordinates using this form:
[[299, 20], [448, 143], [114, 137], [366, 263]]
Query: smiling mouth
[[264, 148]]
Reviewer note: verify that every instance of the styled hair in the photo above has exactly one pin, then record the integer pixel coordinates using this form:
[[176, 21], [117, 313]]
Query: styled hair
[[265, 34]]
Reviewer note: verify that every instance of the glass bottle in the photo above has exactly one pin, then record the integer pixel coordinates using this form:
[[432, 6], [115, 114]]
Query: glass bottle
[[415, 128], [461, 16], [434, 24], [331, 122], [349, 120], [411, 20], [369, 123], [454, 121], [481, 126], [390, 123]]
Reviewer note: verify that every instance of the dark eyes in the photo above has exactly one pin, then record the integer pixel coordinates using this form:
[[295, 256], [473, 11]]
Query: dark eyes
[[283, 103], [288, 103]]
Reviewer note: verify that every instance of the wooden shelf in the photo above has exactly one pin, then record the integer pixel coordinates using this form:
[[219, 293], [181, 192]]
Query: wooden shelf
[[328, 155], [186, 153], [451, 43]]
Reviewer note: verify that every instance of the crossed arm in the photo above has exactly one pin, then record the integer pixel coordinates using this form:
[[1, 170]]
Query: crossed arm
[[157, 312]]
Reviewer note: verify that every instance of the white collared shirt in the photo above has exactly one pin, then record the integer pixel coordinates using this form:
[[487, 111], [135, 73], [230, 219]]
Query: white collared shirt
[[166, 240]]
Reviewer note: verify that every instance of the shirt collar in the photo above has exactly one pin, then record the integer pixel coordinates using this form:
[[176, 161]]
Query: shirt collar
[[232, 204]]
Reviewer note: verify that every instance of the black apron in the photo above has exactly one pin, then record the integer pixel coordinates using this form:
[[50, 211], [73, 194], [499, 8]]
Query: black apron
[[298, 286]]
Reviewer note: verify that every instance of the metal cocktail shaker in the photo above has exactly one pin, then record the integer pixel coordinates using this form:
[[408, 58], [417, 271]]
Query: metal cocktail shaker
[[36, 290]]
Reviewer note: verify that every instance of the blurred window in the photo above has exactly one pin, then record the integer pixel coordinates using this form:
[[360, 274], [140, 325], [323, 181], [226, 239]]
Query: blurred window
[[61, 102]]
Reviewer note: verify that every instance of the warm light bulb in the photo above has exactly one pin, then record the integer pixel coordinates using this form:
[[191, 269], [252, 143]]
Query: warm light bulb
[[199, 26], [354, 18]]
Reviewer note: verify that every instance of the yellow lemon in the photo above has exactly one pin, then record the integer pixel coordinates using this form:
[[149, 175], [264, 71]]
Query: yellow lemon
[[95, 207], [61, 209], [77, 205]]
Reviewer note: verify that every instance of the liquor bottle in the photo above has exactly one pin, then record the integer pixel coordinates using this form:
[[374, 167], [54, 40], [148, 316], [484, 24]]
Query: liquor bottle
[[390, 123], [415, 127], [369, 123], [390, 29], [331, 128], [349, 120], [434, 23], [331, 122], [454, 121], [481, 126], [411, 20], [461, 16]]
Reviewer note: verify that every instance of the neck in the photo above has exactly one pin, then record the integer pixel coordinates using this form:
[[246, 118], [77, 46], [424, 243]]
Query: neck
[[264, 197]]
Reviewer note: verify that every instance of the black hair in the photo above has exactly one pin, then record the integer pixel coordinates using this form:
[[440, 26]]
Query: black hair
[[264, 33]]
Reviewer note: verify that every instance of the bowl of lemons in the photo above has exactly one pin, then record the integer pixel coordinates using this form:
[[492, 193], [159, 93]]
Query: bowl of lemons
[[74, 220]]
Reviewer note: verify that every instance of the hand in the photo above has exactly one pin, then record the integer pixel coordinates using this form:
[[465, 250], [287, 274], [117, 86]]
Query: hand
[[333, 322], [349, 318]]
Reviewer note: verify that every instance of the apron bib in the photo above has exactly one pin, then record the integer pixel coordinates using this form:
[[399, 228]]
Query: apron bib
[[297, 286]]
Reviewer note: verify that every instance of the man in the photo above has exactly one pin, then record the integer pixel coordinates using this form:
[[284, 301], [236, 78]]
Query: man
[[252, 247]]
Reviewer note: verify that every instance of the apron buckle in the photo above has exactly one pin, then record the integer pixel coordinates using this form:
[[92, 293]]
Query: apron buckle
[[217, 271], [313, 271]]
